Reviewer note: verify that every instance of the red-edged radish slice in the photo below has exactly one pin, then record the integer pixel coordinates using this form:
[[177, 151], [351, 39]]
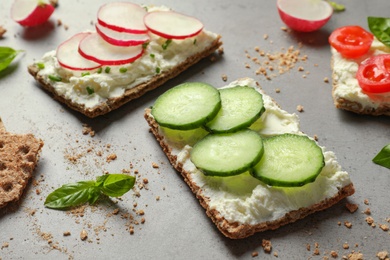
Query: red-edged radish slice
[[69, 57], [304, 15], [31, 12], [121, 38], [123, 17], [95, 48], [172, 25]]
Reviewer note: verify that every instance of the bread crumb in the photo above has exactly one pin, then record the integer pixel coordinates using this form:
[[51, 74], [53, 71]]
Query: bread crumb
[[5, 245], [326, 80], [370, 220], [277, 90], [300, 68], [83, 235], [316, 251], [366, 201], [384, 227], [334, 254], [351, 207], [224, 77], [111, 157], [283, 28], [267, 246], [308, 247], [255, 253], [265, 36], [355, 256], [383, 255], [66, 233], [345, 246], [367, 211], [155, 165], [276, 254], [2, 31], [347, 224], [300, 108], [315, 137]]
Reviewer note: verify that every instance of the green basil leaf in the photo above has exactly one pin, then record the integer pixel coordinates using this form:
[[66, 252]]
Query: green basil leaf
[[93, 195], [383, 157], [116, 185], [100, 180], [71, 195], [337, 7], [380, 27], [7, 55]]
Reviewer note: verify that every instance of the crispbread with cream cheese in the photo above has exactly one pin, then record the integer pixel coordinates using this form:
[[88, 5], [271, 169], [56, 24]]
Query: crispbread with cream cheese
[[241, 205], [346, 92], [19, 154]]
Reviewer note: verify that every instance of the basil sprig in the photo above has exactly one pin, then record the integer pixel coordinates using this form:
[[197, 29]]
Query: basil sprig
[[75, 194], [383, 157], [380, 27], [7, 55]]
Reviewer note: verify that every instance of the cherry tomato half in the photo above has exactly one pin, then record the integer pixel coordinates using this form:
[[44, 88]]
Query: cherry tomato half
[[373, 74], [351, 41]]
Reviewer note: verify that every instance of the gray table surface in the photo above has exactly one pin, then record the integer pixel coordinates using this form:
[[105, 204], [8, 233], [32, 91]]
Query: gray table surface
[[176, 226]]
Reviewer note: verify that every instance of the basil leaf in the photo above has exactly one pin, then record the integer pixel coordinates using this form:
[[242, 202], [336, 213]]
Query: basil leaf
[[70, 195], [116, 185], [7, 55], [337, 7], [383, 157], [380, 27]]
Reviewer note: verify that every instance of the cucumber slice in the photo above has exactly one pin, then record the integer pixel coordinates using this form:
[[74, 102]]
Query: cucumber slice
[[227, 154], [187, 106], [289, 161], [241, 106]]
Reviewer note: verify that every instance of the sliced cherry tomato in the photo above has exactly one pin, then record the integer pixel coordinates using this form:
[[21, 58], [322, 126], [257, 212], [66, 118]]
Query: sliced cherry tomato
[[351, 41], [373, 74]]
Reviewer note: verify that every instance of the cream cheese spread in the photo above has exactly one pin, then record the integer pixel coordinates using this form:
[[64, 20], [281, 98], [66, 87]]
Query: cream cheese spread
[[155, 59], [246, 200], [347, 85]]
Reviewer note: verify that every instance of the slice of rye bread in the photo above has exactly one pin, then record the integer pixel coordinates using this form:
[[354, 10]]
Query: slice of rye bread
[[237, 230], [132, 93], [355, 106], [19, 155]]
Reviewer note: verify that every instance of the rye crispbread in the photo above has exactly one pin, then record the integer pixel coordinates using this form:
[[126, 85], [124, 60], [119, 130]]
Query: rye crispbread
[[132, 93], [236, 230], [19, 155]]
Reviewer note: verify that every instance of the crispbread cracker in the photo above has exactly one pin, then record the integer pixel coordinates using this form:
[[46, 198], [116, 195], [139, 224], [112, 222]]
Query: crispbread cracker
[[234, 229], [132, 93], [19, 154]]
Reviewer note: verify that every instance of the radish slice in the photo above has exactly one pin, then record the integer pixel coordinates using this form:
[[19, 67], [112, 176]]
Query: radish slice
[[121, 38], [172, 25], [95, 48], [69, 57], [304, 15], [122, 17], [31, 12]]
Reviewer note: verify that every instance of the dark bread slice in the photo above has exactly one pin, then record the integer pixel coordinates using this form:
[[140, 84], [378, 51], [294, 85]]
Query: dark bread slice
[[19, 155], [236, 230], [352, 105], [130, 94]]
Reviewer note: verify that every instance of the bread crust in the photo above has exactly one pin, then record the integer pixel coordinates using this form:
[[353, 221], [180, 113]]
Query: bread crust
[[353, 106], [130, 94], [19, 155], [235, 230]]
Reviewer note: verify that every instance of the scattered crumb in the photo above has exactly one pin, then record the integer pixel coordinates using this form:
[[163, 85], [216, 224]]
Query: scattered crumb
[[276, 254], [351, 207], [345, 246], [267, 246], [59, 22], [384, 227], [308, 247], [2, 31], [155, 165], [367, 211], [83, 235], [5, 245], [355, 256], [348, 224], [383, 255], [277, 90], [300, 68], [255, 253], [370, 221], [315, 137], [316, 251], [66, 233], [283, 28], [326, 80], [366, 202], [220, 50], [224, 77], [265, 36], [334, 254], [300, 108], [111, 157]]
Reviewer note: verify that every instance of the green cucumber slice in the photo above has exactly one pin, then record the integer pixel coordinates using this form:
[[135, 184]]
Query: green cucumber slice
[[187, 106], [227, 154], [289, 161], [241, 106]]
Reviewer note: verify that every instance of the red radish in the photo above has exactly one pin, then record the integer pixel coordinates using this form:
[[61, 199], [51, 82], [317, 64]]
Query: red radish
[[304, 15], [95, 48], [121, 38], [172, 25], [31, 12], [69, 57], [122, 17]]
